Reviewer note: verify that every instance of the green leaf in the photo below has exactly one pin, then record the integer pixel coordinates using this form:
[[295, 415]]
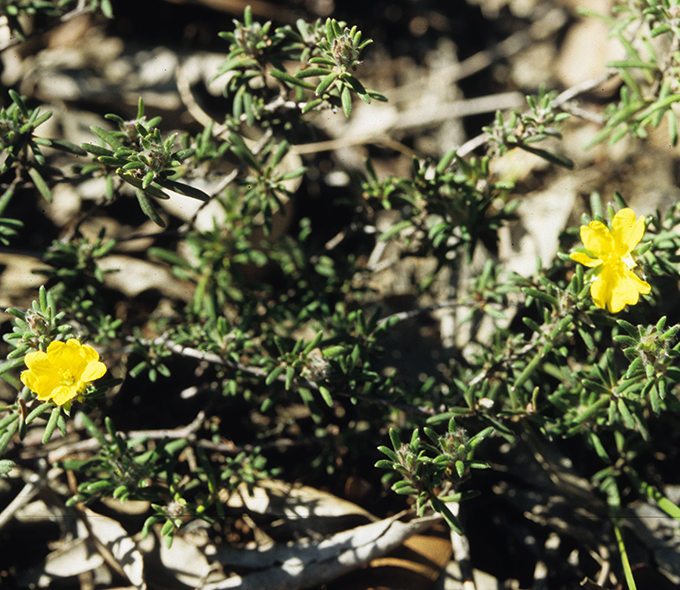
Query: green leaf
[[106, 8], [627, 417], [326, 395], [449, 517], [19, 101], [51, 424], [390, 453], [183, 189], [309, 72], [241, 150], [274, 375], [11, 364], [107, 137], [384, 464], [395, 439], [40, 184], [148, 208], [97, 150], [292, 80], [311, 105], [346, 97], [6, 466], [38, 411], [151, 189], [549, 156], [325, 82], [632, 63]]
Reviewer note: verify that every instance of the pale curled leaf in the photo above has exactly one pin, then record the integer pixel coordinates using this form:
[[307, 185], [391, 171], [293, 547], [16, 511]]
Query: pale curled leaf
[[186, 562], [112, 539], [279, 498], [307, 564], [72, 559]]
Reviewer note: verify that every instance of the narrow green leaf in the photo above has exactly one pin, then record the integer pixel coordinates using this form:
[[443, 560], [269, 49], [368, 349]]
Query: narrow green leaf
[[8, 434], [19, 101], [148, 208], [6, 466], [390, 453], [11, 364], [38, 411], [40, 184], [311, 105], [309, 72], [292, 80], [183, 189], [240, 149], [97, 150], [632, 63], [384, 464], [274, 375], [51, 424], [325, 82], [549, 156], [107, 137], [346, 97], [627, 417], [326, 395], [151, 190], [394, 437], [106, 8]]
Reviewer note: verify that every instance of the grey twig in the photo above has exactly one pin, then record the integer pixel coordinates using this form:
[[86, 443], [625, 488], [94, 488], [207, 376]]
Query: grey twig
[[34, 483], [80, 9], [91, 444], [261, 373]]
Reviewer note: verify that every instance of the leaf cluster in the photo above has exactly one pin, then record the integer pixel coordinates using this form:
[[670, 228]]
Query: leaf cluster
[[432, 469], [648, 32], [327, 51], [445, 206], [157, 471]]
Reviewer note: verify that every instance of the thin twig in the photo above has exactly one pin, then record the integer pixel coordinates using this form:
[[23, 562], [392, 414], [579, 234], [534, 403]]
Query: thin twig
[[188, 432], [461, 552], [262, 374], [35, 482], [583, 87], [407, 315], [566, 96], [548, 24], [79, 10]]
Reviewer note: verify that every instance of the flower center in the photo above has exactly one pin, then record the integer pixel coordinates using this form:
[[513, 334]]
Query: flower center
[[66, 377]]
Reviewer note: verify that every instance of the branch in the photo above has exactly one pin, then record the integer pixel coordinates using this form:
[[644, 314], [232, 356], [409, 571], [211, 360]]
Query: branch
[[560, 100], [262, 374], [188, 432], [79, 10]]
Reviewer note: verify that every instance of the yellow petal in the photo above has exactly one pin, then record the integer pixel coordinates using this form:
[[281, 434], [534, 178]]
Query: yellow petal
[[55, 346], [597, 238], [600, 291], [585, 259], [93, 371], [63, 394], [627, 231], [617, 287], [32, 357], [88, 353], [29, 379]]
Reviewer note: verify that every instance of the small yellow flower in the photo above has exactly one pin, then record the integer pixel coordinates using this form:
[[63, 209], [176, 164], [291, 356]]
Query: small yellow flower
[[63, 372], [616, 285]]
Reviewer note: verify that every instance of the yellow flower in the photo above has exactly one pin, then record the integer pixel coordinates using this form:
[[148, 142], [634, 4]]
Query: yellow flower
[[63, 372], [616, 285]]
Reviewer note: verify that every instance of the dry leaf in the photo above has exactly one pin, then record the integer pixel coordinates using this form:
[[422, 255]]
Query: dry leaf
[[416, 565], [306, 563], [115, 544]]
